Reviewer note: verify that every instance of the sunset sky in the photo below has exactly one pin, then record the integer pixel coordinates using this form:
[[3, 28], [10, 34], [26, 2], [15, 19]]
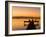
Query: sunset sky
[[18, 24], [26, 11]]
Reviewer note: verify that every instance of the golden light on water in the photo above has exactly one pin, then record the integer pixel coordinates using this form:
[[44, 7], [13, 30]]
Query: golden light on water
[[18, 24]]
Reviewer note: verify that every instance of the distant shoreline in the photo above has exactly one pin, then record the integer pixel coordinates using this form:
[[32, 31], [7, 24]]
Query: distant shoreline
[[24, 17]]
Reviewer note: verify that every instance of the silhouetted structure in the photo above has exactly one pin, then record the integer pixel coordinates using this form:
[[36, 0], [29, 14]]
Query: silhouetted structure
[[31, 25]]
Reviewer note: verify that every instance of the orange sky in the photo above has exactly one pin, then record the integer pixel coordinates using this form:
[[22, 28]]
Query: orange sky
[[26, 11]]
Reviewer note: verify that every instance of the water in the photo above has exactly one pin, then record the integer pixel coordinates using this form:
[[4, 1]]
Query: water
[[19, 24]]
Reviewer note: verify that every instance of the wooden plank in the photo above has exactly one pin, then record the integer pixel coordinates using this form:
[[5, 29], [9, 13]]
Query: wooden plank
[[29, 21]]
